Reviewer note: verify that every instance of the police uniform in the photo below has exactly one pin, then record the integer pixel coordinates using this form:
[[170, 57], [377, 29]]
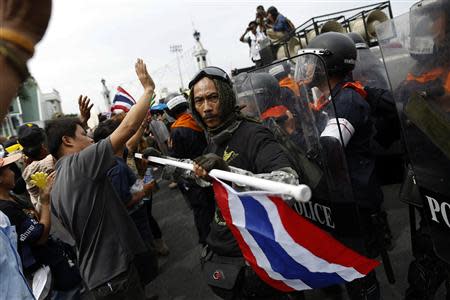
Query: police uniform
[[427, 271]]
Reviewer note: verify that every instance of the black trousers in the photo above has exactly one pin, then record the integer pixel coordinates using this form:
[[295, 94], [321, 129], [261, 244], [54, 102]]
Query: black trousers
[[202, 202], [427, 272], [154, 226], [126, 286]]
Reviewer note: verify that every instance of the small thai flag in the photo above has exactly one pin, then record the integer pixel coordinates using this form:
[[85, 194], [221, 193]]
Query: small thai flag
[[286, 251], [122, 101]]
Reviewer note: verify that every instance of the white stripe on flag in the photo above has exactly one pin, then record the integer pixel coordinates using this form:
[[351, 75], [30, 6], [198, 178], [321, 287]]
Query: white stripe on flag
[[126, 96], [300, 254], [238, 219]]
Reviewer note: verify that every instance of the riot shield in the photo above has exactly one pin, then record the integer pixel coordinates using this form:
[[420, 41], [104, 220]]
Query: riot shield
[[415, 52], [300, 125], [369, 70]]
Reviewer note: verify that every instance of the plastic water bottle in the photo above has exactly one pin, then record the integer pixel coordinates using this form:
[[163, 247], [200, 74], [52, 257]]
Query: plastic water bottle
[[148, 177]]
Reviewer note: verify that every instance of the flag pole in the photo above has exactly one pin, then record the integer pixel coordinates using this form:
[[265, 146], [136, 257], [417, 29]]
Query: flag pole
[[301, 192]]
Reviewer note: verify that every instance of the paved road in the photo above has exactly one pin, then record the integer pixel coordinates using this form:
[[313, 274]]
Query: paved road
[[180, 277]]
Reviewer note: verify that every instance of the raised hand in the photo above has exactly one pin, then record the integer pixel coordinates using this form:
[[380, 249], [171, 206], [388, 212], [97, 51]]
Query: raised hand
[[85, 108], [144, 77]]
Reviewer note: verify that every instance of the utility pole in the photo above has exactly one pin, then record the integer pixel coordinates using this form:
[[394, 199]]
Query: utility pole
[[177, 49]]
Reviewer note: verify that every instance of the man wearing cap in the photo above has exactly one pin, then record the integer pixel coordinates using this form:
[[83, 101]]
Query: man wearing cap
[[33, 141], [187, 140], [237, 142], [32, 138]]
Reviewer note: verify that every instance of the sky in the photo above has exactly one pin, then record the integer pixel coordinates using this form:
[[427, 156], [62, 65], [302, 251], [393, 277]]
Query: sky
[[90, 40]]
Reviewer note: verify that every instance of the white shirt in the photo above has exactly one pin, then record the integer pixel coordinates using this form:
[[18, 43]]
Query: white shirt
[[253, 40]]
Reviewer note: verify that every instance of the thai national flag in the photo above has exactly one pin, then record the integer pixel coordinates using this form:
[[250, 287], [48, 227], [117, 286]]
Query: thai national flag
[[284, 249], [122, 100]]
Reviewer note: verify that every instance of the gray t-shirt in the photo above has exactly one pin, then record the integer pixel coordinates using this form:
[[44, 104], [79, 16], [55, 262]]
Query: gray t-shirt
[[85, 201]]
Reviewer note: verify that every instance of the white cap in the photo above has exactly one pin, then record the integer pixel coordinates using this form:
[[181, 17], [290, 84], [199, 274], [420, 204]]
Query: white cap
[[176, 101]]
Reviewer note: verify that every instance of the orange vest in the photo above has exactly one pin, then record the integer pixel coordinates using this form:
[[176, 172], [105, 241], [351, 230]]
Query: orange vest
[[187, 121], [357, 87], [430, 76], [323, 101], [290, 84], [320, 103], [275, 112]]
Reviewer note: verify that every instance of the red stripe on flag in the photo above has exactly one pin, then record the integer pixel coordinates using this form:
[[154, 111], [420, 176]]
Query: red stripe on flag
[[118, 106], [319, 242], [221, 195], [120, 89]]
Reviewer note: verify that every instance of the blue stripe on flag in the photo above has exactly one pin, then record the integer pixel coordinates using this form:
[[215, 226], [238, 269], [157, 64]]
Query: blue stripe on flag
[[121, 98], [259, 226]]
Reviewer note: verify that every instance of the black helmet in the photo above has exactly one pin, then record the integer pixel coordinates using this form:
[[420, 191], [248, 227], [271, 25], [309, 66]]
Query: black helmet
[[262, 86], [339, 54], [359, 41]]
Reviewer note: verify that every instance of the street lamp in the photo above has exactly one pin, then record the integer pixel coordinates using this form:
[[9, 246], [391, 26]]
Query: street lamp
[[178, 49]]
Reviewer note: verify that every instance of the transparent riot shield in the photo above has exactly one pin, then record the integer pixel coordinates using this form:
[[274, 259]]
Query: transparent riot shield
[[369, 70], [298, 109], [415, 48]]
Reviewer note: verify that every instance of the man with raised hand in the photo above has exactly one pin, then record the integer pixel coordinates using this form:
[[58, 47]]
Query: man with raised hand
[[84, 199]]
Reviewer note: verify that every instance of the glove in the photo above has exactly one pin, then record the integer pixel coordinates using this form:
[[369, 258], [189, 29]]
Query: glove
[[39, 179], [211, 161], [150, 151]]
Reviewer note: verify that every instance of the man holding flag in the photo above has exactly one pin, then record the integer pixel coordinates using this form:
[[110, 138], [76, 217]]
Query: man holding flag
[[236, 141], [254, 248]]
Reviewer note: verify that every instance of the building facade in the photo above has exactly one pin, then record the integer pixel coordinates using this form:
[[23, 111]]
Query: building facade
[[30, 105]]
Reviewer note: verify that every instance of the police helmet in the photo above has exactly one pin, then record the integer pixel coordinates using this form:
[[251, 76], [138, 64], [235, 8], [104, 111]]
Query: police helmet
[[359, 41], [267, 90], [339, 52]]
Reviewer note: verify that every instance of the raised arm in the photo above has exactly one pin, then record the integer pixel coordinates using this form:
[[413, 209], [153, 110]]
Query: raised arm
[[136, 115], [134, 141], [242, 38]]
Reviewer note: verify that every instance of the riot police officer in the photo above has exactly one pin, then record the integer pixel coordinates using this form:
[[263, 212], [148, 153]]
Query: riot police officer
[[353, 127], [422, 95]]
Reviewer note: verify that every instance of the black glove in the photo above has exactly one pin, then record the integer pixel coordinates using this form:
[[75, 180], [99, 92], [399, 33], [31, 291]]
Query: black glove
[[211, 161], [150, 151]]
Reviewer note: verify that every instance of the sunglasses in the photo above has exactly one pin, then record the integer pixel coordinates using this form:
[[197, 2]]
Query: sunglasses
[[212, 72]]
